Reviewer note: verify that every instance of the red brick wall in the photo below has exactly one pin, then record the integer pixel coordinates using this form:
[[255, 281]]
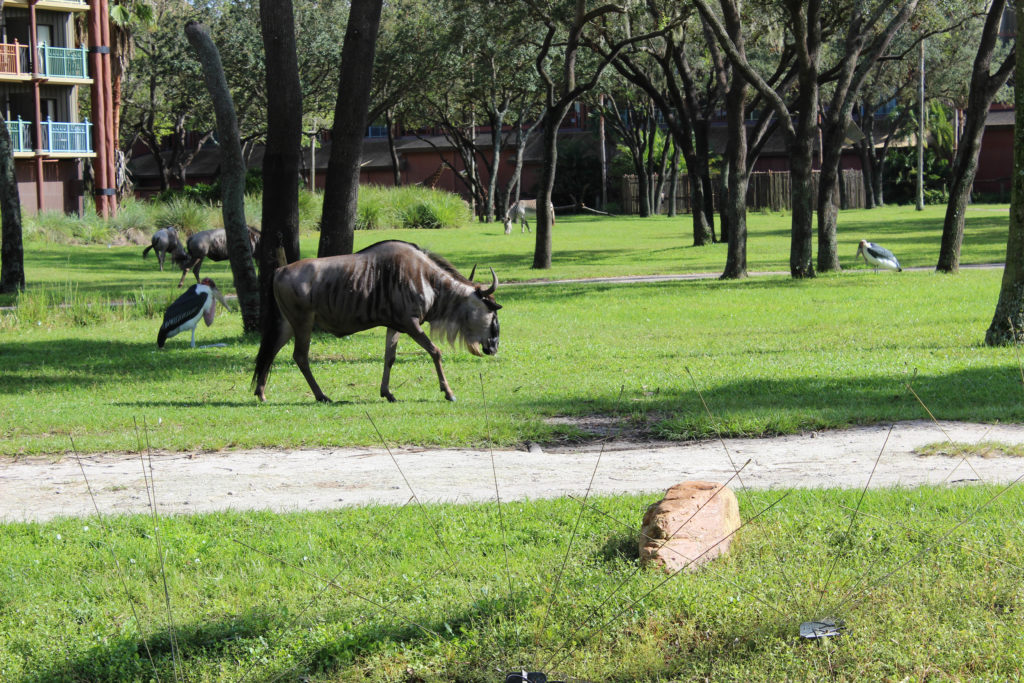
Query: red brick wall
[[995, 163]]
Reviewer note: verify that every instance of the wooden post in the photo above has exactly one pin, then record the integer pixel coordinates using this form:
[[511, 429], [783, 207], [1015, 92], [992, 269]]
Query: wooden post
[[96, 49], [38, 148], [109, 134]]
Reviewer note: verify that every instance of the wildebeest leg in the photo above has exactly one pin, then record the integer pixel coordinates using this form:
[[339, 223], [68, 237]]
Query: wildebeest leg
[[263, 373], [198, 265], [301, 357], [390, 347], [184, 271], [526, 226], [420, 337], [160, 254]]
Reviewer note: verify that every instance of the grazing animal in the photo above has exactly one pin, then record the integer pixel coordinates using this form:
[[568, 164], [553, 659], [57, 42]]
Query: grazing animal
[[392, 284], [198, 301], [164, 241], [518, 212], [211, 244], [877, 256]]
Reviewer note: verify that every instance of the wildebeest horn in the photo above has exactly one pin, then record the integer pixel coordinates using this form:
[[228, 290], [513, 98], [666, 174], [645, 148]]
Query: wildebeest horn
[[494, 284], [472, 273]]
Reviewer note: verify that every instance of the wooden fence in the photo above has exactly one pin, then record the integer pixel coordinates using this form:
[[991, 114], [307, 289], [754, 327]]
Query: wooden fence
[[769, 191]]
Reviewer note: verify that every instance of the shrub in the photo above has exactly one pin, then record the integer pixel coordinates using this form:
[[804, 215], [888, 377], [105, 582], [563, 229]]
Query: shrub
[[901, 176], [132, 214], [410, 206], [374, 214], [188, 216], [61, 228], [253, 210], [311, 207]]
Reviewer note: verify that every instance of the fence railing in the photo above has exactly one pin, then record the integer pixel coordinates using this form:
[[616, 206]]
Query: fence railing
[[21, 135], [60, 137], [10, 58], [59, 62], [765, 191], [65, 62]]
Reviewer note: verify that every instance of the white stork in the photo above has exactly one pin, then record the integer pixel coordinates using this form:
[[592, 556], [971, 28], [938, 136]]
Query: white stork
[[198, 301], [877, 256]]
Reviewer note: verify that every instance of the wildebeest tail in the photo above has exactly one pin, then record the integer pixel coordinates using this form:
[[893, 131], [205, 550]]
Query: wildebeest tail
[[271, 325], [146, 251]]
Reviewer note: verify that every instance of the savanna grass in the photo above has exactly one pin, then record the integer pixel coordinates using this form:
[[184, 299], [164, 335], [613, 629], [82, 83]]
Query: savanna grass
[[409, 208], [584, 246], [926, 582], [188, 216], [770, 355]]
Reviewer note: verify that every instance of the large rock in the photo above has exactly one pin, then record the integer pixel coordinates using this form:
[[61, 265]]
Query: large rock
[[689, 523]]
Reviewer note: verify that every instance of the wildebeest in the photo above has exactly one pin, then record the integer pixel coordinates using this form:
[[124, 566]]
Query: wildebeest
[[518, 212], [392, 284], [164, 241], [211, 244]]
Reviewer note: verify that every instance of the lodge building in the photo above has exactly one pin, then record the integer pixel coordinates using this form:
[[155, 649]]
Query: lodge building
[[46, 55]]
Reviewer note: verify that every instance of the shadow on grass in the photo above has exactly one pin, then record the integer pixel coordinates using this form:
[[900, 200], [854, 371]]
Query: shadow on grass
[[743, 405], [264, 644]]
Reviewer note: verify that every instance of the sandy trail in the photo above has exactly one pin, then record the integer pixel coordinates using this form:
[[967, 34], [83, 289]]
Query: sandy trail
[[36, 489]]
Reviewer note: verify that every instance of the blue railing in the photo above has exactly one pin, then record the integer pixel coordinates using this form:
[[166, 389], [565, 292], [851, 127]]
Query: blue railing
[[58, 137], [21, 135], [66, 62], [75, 138]]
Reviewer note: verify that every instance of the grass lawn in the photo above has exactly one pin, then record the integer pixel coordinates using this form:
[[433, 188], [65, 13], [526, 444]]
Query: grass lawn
[[927, 581], [771, 355], [414, 594], [584, 246]]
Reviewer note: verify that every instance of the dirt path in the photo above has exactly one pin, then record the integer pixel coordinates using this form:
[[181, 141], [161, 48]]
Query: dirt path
[[39, 489]]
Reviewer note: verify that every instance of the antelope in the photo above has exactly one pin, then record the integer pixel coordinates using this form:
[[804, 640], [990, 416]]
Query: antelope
[[518, 212]]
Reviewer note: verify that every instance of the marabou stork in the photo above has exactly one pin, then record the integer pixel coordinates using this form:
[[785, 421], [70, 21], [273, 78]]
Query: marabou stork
[[198, 301], [877, 256]]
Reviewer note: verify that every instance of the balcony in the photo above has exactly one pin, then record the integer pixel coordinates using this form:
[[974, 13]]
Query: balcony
[[55, 5], [54, 62], [21, 136], [59, 138], [63, 62]]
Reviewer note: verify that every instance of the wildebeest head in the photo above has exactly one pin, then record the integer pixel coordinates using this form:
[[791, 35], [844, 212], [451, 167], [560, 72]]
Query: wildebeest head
[[475, 322]]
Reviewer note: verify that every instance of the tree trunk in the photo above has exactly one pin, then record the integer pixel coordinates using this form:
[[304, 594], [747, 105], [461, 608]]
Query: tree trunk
[[659, 187], [232, 176], [734, 202], [801, 250], [282, 156], [983, 89], [702, 169], [12, 251], [965, 166], [395, 164], [542, 249], [341, 191], [602, 150], [828, 196], [522, 137], [723, 195], [864, 150], [497, 137], [865, 175], [1008, 321], [673, 186], [643, 191]]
